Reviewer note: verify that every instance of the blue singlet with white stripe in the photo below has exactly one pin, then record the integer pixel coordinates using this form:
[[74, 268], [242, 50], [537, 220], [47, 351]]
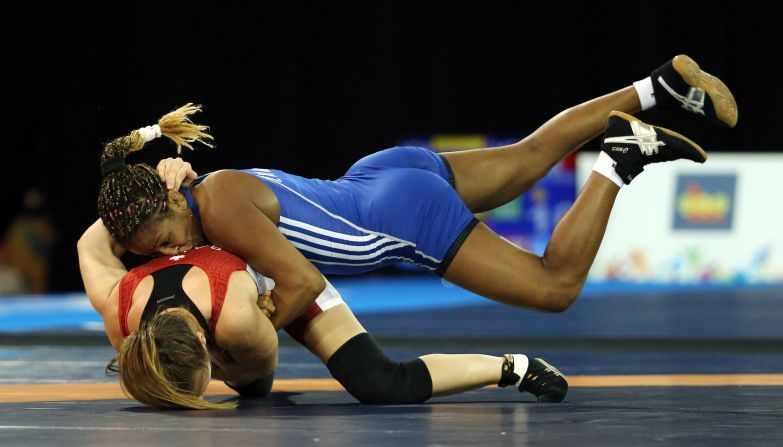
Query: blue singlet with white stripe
[[392, 206]]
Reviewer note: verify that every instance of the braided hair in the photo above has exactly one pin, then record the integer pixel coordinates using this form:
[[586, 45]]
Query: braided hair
[[130, 195]]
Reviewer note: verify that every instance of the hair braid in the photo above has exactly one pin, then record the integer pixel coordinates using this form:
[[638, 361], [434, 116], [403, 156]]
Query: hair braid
[[130, 195]]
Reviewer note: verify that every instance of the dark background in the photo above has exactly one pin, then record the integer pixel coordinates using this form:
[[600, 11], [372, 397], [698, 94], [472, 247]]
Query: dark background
[[311, 87]]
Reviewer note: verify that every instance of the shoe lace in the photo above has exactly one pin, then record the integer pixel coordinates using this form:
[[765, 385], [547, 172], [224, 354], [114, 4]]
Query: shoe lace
[[694, 102], [643, 136]]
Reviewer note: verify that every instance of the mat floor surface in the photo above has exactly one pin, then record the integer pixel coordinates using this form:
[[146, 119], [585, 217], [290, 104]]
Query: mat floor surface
[[605, 405], [663, 368], [727, 416]]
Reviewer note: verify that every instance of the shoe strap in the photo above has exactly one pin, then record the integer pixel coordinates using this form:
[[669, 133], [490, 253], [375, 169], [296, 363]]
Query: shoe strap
[[644, 137], [693, 101], [507, 375]]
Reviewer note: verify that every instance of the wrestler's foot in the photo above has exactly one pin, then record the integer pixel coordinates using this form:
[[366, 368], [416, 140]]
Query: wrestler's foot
[[680, 83], [541, 379], [633, 144]]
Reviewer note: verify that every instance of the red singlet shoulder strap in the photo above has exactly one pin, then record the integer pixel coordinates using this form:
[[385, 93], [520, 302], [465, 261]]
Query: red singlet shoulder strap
[[128, 285], [216, 263], [219, 265]]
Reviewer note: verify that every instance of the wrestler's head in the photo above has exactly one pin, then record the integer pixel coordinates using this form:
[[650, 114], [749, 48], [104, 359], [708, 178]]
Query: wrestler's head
[[167, 232], [167, 363], [133, 202]]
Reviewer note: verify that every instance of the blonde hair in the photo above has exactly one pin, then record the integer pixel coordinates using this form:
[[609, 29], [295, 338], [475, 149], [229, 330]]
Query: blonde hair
[[131, 195], [159, 364], [175, 125]]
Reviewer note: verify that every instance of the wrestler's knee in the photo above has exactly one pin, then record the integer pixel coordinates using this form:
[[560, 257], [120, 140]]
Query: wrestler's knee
[[369, 376]]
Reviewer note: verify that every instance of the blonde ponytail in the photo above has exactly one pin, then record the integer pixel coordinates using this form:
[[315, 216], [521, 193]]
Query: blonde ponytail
[[178, 127]]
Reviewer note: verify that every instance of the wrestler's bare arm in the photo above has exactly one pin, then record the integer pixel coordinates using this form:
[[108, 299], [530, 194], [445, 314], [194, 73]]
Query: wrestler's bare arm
[[99, 263], [99, 253], [231, 217], [249, 337]]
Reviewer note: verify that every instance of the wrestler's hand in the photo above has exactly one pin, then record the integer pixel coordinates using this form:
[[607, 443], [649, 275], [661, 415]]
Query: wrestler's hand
[[265, 303], [173, 171]]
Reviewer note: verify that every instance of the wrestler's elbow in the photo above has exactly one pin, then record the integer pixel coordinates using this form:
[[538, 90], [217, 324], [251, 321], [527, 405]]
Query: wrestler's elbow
[[305, 285], [313, 284]]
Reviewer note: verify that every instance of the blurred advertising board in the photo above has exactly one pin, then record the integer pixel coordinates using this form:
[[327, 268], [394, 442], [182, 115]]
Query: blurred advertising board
[[685, 223]]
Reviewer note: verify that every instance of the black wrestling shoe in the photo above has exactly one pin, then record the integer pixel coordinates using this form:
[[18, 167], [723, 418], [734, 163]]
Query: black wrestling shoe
[[541, 380], [633, 144], [680, 83]]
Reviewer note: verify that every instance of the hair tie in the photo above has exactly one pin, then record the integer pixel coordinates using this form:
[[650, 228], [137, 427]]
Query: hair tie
[[149, 133], [113, 164]]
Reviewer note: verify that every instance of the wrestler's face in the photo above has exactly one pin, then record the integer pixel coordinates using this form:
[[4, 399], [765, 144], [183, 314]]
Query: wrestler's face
[[169, 234]]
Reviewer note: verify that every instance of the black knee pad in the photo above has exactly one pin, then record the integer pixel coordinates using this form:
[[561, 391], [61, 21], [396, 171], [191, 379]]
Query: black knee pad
[[369, 376], [256, 389]]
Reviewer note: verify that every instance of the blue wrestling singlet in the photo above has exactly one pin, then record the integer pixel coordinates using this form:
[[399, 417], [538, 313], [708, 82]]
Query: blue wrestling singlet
[[395, 205]]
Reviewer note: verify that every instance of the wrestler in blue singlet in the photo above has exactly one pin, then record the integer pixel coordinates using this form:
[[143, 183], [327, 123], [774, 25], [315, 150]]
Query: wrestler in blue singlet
[[395, 205]]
